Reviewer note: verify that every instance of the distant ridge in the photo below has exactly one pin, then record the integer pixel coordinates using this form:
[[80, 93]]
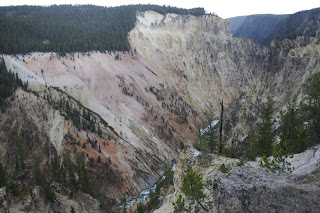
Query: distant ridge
[[258, 27], [301, 23], [236, 22], [264, 28]]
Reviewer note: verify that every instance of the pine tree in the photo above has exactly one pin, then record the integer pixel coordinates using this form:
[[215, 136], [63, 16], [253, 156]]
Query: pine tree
[[293, 134], [266, 135], [3, 176], [211, 132], [261, 143], [140, 208], [55, 169], [70, 170], [83, 175], [312, 109], [278, 162], [179, 205], [72, 210], [220, 131], [99, 132], [42, 181], [193, 186], [19, 150]]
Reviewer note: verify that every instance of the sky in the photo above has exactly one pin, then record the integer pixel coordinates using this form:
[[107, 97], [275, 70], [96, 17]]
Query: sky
[[223, 8]]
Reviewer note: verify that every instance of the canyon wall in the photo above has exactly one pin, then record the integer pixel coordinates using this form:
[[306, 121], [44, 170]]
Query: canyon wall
[[152, 96]]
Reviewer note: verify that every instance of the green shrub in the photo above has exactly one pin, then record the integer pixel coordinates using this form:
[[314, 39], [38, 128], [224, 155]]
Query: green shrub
[[223, 168], [240, 163]]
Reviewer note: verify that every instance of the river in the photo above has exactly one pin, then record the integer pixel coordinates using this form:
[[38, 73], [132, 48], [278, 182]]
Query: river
[[144, 195]]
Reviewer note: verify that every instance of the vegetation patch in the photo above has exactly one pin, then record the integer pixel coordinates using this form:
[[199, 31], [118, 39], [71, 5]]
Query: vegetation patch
[[67, 29]]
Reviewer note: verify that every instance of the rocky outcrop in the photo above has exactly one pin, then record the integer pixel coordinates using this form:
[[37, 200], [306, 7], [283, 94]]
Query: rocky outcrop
[[252, 189], [249, 188], [205, 164]]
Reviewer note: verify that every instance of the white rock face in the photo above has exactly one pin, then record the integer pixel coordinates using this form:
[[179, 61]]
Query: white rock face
[[57, 131]]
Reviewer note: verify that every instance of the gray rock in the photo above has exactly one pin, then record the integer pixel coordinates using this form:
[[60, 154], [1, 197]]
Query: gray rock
[[253, 189]]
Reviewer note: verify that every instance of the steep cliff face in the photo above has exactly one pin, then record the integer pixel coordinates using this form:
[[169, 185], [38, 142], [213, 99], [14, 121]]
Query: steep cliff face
[[133, 145], [152, 96], [208, 66], [196, 55]]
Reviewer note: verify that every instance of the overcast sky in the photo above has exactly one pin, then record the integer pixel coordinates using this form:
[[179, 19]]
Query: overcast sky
[[224, 8]]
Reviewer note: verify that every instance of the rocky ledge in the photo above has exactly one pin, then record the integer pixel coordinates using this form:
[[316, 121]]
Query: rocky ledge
[[253, 189], [249, 188]]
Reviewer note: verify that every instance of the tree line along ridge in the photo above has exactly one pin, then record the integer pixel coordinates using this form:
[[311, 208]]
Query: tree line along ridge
[[66, 28]]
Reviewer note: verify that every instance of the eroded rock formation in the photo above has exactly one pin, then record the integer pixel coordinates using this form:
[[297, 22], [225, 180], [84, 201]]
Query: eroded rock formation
[[151, 96]]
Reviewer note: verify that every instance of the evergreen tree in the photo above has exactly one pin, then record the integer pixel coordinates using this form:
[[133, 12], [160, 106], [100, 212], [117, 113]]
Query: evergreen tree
[[220, 130], [3, 176], [8, 83], [42, 181], [261, 143], [72, 210], [211, 133], [140, 208], [293, 134], [70, 170], [179, 205], [278, 162], [55, 168], [193, 186], [83, 175], [99, 132], [19, 150], [266, 135], [312, 109]]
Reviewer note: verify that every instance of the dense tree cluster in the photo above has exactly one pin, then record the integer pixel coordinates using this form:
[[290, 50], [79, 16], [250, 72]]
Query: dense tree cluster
[[8, 83], [65, 29], [299, 129], [261, 141]]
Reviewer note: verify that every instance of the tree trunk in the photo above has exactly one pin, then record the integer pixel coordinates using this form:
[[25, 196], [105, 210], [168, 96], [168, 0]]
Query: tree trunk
[[211, 138], [204, 208], [221, 124]]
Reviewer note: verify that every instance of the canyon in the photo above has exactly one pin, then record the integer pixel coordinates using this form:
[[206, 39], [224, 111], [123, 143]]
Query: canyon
[[153, 97]]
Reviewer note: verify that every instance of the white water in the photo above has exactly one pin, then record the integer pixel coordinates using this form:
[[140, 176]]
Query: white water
[[145, 193], [213, 123]]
